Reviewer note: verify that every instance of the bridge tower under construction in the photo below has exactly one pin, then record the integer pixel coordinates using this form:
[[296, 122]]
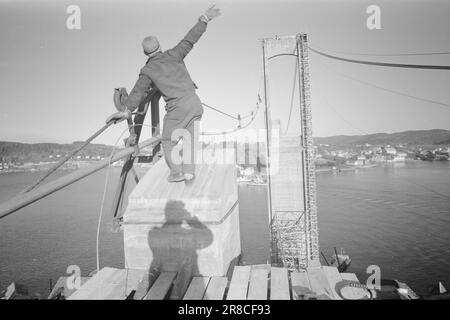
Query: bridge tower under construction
[[291, 176]]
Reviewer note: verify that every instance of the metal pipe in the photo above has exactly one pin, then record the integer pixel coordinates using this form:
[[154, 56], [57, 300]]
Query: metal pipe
[[28, 198], [337, 257], [66, 158], [268, 133], [323, 256]]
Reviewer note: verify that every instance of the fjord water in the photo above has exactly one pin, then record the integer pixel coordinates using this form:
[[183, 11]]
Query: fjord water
[[394, 216]]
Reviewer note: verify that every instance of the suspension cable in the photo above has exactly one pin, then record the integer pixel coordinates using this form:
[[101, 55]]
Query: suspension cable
[[403, 54], [253, 116], [326, 103], [220, 111], [382, 64], [292, 97], [385, 89]]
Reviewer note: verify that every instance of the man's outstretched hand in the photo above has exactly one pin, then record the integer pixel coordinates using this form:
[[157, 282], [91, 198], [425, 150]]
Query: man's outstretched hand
[[212, 12], [118, 116]]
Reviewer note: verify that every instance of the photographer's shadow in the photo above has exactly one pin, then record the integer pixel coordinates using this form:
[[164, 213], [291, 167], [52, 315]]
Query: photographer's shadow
[[175, 246]]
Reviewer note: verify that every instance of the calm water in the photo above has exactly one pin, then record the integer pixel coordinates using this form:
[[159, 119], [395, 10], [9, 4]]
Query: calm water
[[397, 217]]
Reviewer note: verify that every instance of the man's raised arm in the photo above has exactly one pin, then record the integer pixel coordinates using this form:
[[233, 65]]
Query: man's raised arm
[[185, 46]]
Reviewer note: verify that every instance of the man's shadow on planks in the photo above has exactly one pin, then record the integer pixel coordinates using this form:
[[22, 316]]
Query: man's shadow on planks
[[175, 247]]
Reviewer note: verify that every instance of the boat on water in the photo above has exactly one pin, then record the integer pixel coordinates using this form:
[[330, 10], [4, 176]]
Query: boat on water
[[15, 291], [257, 181], [255, 184], [340, 260], [243, 180]]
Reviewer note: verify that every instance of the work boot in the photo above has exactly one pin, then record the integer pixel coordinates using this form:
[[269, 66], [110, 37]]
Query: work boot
[[175, 177]]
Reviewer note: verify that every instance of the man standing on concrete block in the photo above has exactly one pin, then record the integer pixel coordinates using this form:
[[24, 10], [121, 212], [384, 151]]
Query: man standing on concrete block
[[167, 72]]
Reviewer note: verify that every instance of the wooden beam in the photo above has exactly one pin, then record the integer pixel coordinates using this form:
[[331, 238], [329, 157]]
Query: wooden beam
[[239, 283], [197, 288], [133, 278], [107, 284], [47, 189], [161, 286], [68, 156], [216, 288], [258, 284], [319, 283], [300, 285], [279, 284], [61, 287]]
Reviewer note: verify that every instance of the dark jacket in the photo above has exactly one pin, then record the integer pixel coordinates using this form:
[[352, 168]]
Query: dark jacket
[[167, 72]]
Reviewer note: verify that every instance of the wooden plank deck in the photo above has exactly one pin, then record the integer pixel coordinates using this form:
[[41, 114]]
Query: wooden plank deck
[[216, 288], [197, 288], [279, 284], [300, 285], [107, 284], [239, 283], [319, 283], [259, 282], [161, 286]]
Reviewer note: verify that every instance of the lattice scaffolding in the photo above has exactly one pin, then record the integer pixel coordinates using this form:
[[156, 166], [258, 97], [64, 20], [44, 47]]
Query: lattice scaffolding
[[292, 181]]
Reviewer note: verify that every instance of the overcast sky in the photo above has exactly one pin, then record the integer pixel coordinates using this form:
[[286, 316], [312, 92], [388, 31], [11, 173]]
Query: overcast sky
[[56, 84]]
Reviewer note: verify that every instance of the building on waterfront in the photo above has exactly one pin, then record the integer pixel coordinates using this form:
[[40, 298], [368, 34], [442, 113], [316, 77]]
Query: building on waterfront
[[389, 151]]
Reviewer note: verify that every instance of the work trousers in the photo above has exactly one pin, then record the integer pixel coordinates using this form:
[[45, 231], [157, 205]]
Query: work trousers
[[180, 122]]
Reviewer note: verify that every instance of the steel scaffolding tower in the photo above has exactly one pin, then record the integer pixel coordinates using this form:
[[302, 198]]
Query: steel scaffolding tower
[[292, 186]]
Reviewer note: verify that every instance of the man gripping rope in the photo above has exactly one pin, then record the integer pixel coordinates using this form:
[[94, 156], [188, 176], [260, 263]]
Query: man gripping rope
[[167, 72]]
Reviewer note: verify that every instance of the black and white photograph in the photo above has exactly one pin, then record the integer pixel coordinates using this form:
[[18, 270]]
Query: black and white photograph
[[233, 150]]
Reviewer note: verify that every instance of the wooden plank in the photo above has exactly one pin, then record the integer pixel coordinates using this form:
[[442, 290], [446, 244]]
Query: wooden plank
[[300, 279], [133, 277], [349, 276], [107, 284], [239, 283], [333, 277], [216, 288], [145, 283], [258, 284], [161, 286], [279, 284], [61, 288], [319, 283], [300, 285], [196, 288]]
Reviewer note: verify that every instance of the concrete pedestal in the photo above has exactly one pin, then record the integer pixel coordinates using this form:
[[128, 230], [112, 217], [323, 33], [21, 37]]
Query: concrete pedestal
[[171, 225]]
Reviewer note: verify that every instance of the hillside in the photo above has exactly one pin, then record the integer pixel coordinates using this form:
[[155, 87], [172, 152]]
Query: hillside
[[416, 137], [25, 152], [36, 152]]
